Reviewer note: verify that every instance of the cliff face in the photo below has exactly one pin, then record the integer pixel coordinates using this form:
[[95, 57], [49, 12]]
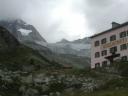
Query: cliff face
[[22, 31], [7, 40]]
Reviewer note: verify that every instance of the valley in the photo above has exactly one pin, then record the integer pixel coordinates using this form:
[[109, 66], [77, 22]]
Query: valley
[[30, 66], [64, 52]]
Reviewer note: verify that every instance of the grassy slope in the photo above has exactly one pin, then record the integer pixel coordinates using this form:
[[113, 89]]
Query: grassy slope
[[24, 56], [73, 60]]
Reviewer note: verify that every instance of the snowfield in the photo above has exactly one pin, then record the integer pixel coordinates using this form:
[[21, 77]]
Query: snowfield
[[25, 32]]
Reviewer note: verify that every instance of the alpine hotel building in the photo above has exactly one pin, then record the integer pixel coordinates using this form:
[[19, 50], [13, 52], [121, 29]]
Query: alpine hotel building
[[109, 45]]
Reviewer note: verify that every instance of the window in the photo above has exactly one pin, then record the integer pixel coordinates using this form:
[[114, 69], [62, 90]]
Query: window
[[124, 58], [97, 65], [104, 53], [103, 41], [123, 47], [123, 34], [113, 49], [113, 37], [127, 33], [97, 54], [97, 43], [104, 64]]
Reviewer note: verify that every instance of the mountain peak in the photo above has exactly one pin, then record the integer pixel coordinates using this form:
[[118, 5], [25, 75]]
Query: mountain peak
[[85, 40], [20, 21], [63, 41], [7, 40], [22, 31]]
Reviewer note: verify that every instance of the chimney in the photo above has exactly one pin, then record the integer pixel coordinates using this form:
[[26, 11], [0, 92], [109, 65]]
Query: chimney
[[114, 24]]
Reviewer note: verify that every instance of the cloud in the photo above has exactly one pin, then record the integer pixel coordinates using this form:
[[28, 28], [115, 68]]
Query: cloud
[[67, 16], [11, 9], [101, 14], [70, 19]]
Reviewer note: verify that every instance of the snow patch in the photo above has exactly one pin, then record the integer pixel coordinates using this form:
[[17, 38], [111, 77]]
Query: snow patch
[[25, 32], [41, 43], [79, 47]]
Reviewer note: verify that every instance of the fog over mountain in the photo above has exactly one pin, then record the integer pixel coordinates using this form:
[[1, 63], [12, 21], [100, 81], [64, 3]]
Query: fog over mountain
[[69, 19]]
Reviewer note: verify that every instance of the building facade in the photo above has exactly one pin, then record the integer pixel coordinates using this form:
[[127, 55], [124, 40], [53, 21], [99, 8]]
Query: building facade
[[112, 41]]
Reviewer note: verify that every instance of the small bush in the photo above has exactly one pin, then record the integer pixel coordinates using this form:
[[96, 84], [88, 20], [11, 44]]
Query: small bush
[[122, 67], [116, 83]]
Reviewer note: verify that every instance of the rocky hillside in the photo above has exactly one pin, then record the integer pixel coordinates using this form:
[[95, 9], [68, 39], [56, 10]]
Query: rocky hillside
[[26, 34], [7, 41], [23, 31], [79, 47], [74, 53], [15, 56]]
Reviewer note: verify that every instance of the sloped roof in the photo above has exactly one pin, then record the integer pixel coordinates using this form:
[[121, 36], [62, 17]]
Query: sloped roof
[[109, 30]]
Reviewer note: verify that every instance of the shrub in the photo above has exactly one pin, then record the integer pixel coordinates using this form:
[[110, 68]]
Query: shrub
[[122, 67]]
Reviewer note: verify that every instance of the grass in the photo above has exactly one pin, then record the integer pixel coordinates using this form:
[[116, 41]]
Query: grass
[[110, 93], [122, 92]]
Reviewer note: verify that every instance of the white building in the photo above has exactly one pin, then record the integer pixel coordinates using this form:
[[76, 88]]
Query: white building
[[114, 40]]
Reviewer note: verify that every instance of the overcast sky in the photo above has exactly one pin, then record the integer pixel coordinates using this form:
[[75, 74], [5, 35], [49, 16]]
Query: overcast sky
[[69, 19]]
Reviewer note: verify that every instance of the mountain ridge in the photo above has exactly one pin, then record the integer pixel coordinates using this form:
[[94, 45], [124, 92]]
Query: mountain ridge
[[53, 52], [85, 40], [80, 47], [16, 56], [19, 28]]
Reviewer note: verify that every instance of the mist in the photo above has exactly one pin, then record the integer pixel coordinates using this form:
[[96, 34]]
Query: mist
[[69, 19]]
